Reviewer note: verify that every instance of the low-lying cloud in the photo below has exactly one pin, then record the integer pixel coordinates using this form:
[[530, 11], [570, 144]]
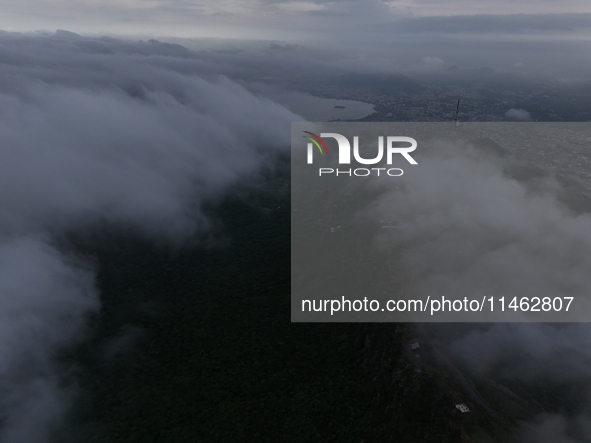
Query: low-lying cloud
[[475, 231], [101, 131], [518, 115], [467, 228]]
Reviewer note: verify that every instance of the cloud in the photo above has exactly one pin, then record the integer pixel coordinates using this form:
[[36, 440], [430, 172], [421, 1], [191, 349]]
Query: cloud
[[553, 356], [428, 64], [474, 230], [122, 137], [97, 131], [299, 20], [493, 23], [518, 114], [44, 298], [434, 62]]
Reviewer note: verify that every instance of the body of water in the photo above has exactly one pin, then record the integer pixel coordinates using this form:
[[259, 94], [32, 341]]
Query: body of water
[[323, 109]]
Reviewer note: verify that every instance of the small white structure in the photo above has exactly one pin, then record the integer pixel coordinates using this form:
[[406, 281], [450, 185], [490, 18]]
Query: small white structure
[[415, 345], [462, 407]]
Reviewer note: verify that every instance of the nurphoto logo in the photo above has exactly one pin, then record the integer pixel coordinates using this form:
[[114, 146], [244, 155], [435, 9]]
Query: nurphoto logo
[[316, 143]]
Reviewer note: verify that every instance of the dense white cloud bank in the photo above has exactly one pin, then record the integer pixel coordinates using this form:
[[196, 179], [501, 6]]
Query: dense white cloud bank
[[97, 131]]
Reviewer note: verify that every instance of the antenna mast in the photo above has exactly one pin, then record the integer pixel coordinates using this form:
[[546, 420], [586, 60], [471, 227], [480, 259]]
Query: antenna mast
[[457, 110]]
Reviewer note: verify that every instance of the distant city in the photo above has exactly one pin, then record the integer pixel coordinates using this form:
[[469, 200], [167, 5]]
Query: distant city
[[480, 102], [437, 103]]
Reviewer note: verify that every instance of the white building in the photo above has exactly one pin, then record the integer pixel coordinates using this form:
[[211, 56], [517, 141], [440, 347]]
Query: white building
[[462, 407]]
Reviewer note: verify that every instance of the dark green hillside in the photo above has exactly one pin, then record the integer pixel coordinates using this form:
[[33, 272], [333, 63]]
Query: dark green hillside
[[212, 355]]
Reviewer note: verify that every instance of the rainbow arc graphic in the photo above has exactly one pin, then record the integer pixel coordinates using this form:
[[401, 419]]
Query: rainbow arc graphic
[[317, 140]]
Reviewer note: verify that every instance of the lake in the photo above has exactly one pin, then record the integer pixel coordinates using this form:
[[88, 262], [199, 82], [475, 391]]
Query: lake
[[322, 109]]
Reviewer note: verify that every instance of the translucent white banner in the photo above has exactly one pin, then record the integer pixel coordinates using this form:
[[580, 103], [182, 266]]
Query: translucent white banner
[[433, 222]]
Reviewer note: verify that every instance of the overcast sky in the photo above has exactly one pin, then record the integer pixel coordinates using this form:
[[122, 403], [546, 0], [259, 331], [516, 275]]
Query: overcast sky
[[278, 19]]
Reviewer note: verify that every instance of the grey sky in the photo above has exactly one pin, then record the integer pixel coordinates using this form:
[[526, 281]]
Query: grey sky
[[269, 19]]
